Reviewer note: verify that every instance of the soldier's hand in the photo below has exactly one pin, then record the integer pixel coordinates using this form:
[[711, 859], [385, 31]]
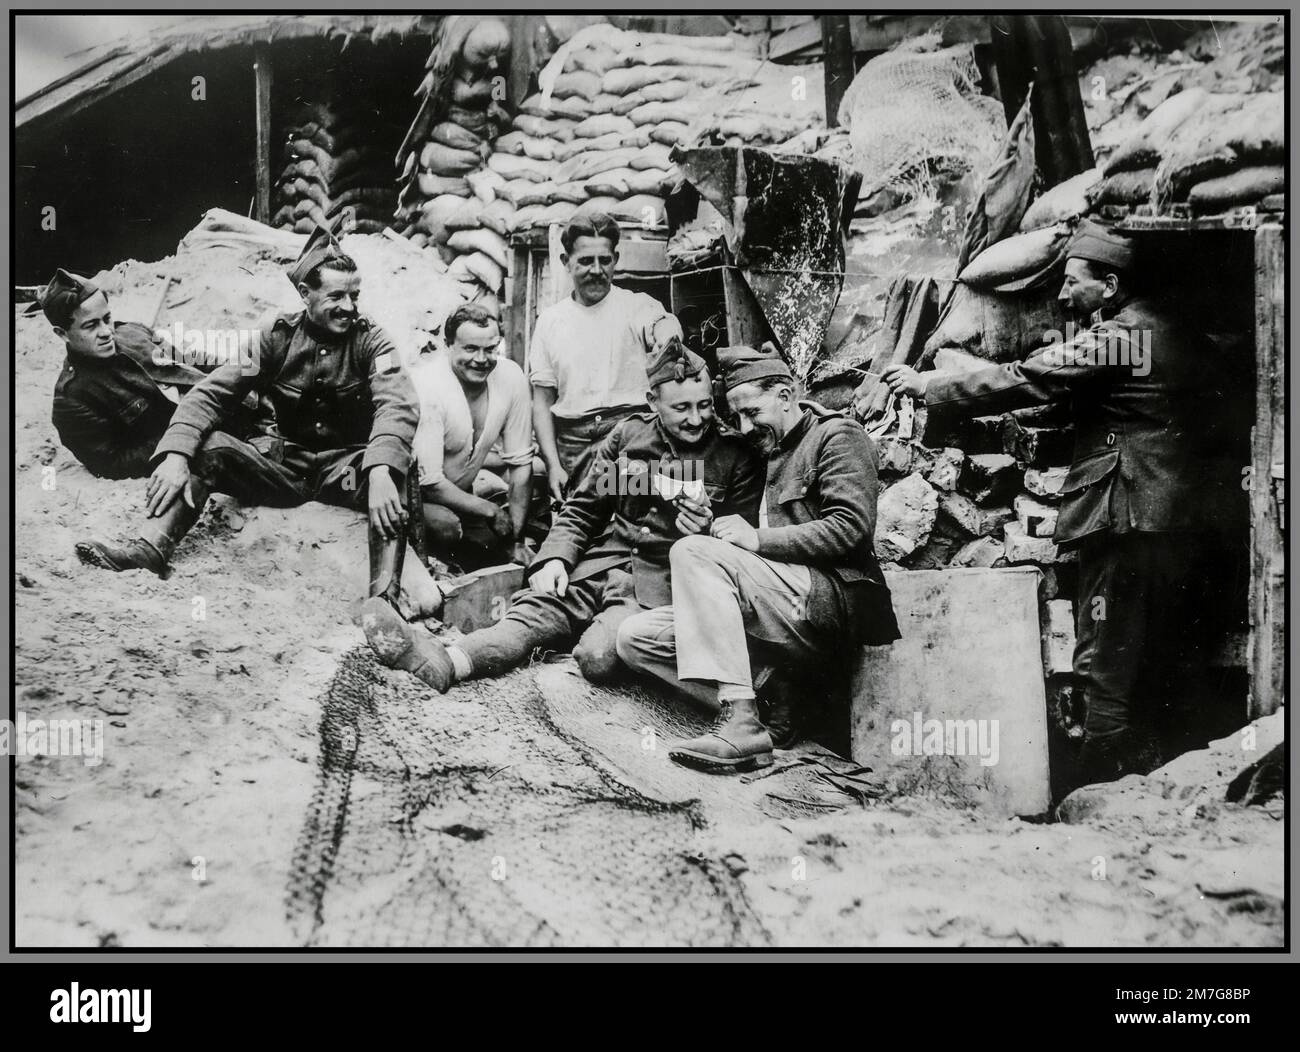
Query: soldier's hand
[[170, 479], [551, 579], [500, 524], [735, 530], [386, 512], [903, 379], [693, 516], [556, 479]]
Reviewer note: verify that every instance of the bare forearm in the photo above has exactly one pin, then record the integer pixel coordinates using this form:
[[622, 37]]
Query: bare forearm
[[520, 483], [544, 425], [449, 495]]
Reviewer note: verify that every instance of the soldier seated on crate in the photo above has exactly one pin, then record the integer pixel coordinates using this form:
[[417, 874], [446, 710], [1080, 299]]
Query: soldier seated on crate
[[475, 421], [804, 587], [658, 476], [346, 408], [588, 353], [1147, 489], [121, 383]]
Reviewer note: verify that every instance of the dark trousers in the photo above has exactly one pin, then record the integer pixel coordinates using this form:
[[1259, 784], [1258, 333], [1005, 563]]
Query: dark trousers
[[279, 474], [1141, 625], [576, 440], [589, 612]]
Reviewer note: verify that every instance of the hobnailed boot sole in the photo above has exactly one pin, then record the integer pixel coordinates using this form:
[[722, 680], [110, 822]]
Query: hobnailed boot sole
[[92, 553], [717, 765], [396, 645]]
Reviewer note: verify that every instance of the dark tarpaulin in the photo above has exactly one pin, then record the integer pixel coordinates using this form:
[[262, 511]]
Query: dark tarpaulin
[[785, 220]]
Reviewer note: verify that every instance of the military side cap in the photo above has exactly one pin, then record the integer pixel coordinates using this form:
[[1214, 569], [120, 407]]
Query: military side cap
[[322, 246], [65, 292], [743, 365], [674, 362], [1094, 242]]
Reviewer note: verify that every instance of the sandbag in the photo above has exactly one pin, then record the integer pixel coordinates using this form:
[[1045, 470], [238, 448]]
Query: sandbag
[[284, 217], [1018, 258], [654, 156], [498, 216], [684, 111], [1228, 131], [1244, 186], [524, 217], [637, 140], [545, 127], [434, 185], [1064, 201], [512, 142], [994, 326], [580, 83], [612, 183], [371, 196], [558, 213], [675, 55], [1143, 148], [1123, 188], [646, 180], [610, 141], [604, 124], [670, 133], [479, 122], [627, 103], [447, 160], [487, 44], [484, 184], [593, 59], [585, 165], [478, 266], [541, 149], [574, 107], [467, 216], [458, 138], [509, 167], [633, 78], [668, 90], [575, 193], [524, 192], [643, 209], [490, 243]]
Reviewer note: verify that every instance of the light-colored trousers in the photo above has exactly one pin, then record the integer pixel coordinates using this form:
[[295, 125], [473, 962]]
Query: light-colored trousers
[[723, 597]]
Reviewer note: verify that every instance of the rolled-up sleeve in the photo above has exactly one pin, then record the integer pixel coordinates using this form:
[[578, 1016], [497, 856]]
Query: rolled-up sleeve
[[541, 363]]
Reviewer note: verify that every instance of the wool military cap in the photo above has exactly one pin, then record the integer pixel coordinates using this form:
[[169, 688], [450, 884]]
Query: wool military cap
[[674, 362], [322, 246], [743, 365], [1094, 242], [65, 292]]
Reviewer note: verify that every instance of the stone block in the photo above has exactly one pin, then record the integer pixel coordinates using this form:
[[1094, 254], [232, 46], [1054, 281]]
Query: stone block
[[989, 478], [1058, 635], [905, 515], [1036, 518], [981, 553], [1045, 483], [969, 517], [1022, 548], [1037, 447]]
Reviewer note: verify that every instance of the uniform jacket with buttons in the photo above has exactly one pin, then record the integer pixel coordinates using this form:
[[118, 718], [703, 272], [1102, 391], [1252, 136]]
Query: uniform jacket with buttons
[[617, 492], [1146, 454], [329, 393], [111, 412], [822, 483]]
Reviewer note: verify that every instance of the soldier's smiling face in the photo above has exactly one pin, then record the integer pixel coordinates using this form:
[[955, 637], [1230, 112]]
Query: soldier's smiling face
[[762, 414], [333, 304], [473, 352], [685, 408]]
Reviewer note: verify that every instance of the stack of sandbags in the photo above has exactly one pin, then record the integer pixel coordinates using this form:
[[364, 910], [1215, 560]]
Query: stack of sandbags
[[447, 203], [1211, 150], [334, 159], [597, 135]]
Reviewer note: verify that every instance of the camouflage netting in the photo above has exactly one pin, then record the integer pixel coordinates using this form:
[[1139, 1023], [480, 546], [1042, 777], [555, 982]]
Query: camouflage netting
[[527, 811]]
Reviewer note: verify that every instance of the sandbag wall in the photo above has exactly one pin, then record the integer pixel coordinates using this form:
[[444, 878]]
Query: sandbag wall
[[611, 105], [443, 204], [335, 156]]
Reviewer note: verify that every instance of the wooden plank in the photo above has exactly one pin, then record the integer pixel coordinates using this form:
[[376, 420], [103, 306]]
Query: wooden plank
[[1268, 478], [262, 75]]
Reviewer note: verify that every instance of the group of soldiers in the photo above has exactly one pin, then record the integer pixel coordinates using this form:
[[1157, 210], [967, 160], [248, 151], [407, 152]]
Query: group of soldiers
[[733, 559]]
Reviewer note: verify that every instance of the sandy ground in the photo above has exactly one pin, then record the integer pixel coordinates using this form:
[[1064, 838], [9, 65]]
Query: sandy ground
[[209, 686]]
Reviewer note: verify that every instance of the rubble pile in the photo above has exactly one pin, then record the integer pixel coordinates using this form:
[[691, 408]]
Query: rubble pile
[[332, 164]]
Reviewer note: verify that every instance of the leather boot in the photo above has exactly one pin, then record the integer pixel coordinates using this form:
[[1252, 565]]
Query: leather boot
[[1112, 756], [152, 549], [398, 645], [738, 741], [387, 556]]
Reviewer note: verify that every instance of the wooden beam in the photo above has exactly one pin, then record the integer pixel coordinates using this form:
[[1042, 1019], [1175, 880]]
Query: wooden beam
[[1267, 655], [837, 46], [262, 74]]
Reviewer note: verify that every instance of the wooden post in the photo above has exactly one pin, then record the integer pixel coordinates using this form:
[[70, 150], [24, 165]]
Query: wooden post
[[837, 45], [262, 78], [1267, 659]]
